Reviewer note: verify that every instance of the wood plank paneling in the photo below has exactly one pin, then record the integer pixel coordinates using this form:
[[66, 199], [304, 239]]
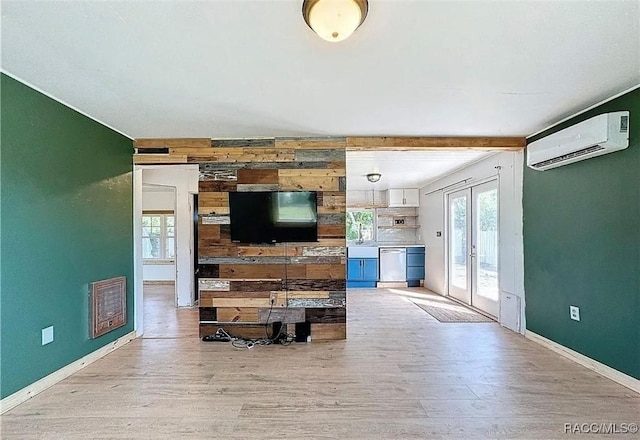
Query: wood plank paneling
[[302, 294], [165, 159], [257, 285], [205, 186], [311, 143], [286, 316], [257, 187], [208, 232], [213, 199], [331, 231], [212, 294], [326, 271], [271, 251], [243, 143], [238, 314], [326, 315], [247, 175], [434, 143], [301, 183], [263, 271], [312, 173], [235, 302], [333, 285], [209, 249], [314, 155], [253, 276], [173, 143], [327, 332]]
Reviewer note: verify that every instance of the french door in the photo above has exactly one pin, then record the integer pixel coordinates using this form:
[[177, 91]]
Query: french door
[[473, 246]]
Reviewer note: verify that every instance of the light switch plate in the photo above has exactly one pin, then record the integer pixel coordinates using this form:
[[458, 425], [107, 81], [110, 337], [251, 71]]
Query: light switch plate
[[574, 313], [47, 335]]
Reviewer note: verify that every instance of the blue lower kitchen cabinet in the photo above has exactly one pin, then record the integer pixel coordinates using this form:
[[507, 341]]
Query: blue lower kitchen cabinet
[[415, 266], [362, 272]]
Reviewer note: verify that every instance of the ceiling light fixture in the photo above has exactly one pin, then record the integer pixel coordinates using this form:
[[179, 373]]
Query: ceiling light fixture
[[334, 20], [373, 177]]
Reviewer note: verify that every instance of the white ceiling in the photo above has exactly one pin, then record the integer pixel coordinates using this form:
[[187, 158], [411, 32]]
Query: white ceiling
[[253, 68], [403, 169]]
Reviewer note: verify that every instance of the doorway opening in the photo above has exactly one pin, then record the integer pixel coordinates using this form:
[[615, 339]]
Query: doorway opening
[[163, 250], [158, 258]]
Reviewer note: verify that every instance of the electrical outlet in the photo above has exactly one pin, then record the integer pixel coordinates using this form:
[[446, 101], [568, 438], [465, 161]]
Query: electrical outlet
[[574, 313], [47, 335], [273, 297]]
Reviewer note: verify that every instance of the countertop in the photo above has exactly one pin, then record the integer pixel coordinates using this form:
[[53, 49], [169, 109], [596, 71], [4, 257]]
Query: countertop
[[384, 245], [399, 245]]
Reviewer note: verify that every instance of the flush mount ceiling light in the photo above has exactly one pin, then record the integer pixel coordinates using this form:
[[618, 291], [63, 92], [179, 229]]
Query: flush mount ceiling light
[[373, 177], [334, 20]]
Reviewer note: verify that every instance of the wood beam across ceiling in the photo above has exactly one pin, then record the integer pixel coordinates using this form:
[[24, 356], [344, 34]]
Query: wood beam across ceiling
[[395, 143], [189, 150]]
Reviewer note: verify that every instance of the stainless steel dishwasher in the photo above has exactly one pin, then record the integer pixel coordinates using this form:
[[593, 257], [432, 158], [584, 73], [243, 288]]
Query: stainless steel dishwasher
[[393, 264]]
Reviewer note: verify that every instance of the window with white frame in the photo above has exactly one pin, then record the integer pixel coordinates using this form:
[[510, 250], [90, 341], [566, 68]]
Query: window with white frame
[[361, 225], [158, 236]]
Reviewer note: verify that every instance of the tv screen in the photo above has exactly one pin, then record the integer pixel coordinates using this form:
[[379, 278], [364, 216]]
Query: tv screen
[[273, 217]]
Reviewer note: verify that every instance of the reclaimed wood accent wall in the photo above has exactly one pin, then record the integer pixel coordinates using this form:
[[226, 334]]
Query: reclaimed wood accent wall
[[239, 282]]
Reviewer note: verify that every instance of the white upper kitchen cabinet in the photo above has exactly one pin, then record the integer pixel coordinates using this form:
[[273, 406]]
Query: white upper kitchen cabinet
[[366, 199], [404, 198]]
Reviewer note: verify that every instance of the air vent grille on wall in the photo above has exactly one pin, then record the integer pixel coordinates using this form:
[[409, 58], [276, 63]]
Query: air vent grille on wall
[[108, 305], [159, 150], [624, 124], [564, 157]]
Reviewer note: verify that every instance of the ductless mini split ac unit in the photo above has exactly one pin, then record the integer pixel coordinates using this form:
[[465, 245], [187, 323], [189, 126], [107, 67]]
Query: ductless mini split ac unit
[[599, 135]]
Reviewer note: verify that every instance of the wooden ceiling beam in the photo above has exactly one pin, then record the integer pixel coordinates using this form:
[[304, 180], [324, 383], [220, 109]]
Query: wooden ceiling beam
[[394, 143], [353, 143], [172, 143]]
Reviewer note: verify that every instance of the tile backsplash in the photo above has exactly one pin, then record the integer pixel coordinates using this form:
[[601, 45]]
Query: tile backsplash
[[397, 225]]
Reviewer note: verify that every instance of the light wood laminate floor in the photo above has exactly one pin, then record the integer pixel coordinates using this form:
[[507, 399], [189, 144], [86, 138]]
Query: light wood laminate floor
[[400, 375], [162, 319]]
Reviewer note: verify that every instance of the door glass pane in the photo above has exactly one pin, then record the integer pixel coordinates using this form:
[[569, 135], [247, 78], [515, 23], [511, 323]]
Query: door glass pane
[[458, 248], [487, 244]]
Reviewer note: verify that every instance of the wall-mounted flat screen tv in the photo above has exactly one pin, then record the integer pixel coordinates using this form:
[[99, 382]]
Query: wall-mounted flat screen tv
[[273, 217]]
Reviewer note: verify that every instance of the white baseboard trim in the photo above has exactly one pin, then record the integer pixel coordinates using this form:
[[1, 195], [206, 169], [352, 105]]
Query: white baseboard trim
[[611, 373], [39, 386]]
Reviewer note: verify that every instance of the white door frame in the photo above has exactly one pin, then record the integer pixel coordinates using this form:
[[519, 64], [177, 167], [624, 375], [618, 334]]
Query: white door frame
[[186, 184]]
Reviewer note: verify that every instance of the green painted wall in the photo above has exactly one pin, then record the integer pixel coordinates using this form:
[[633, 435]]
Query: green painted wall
[[66, 221], [582, 247]]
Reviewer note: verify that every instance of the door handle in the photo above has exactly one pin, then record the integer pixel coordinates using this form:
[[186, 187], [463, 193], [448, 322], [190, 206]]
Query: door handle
[[472, 255]]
